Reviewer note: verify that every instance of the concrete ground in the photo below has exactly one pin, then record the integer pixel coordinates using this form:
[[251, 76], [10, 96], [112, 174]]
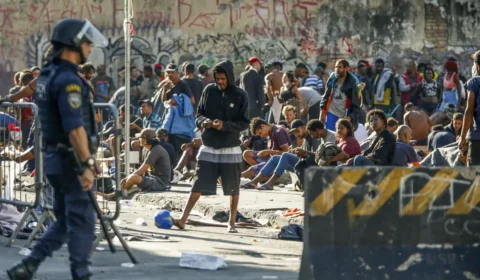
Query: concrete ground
[[249, 254]]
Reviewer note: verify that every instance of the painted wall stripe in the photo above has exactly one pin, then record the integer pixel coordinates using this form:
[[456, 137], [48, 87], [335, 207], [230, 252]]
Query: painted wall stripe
[[335, 191], [468, 201], [435, 187], [386, 188]]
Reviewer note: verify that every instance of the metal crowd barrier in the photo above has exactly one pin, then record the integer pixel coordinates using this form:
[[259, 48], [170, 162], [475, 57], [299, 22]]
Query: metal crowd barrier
[[17, 190], [109, 118]]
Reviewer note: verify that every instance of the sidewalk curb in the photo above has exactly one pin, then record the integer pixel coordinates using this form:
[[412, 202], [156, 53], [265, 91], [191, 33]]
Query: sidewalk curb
[[177, 203]]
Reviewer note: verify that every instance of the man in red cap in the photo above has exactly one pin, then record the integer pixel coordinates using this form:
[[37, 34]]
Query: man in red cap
[[252, 82]]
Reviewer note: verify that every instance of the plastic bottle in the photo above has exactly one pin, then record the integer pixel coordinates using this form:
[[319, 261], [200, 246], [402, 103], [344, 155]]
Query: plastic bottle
[[201, 261]]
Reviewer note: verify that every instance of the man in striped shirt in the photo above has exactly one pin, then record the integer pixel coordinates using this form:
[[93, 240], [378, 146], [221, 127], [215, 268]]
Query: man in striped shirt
[[306, 80]]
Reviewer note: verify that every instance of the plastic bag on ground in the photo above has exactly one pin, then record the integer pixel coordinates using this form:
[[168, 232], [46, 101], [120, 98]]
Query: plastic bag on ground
[[202, 261], [291, 232]]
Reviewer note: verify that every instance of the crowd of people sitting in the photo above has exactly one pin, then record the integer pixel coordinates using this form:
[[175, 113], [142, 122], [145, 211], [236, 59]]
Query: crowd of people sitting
[[374, 116]]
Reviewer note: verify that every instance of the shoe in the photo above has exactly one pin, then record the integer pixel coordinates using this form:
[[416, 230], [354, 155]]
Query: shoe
[[176, 177], [25, 270], [244, 181]]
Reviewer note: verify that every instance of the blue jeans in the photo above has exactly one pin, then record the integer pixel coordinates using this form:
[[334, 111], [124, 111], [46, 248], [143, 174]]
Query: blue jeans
[[278, 164], [362, 161]]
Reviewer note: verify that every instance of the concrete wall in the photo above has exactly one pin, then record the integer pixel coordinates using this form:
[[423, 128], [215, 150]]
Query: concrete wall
[[208, 31]]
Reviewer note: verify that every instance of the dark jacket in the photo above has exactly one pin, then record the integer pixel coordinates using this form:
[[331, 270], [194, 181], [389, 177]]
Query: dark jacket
[[449, 128], [252, 83], [229, 106], [349, 88]]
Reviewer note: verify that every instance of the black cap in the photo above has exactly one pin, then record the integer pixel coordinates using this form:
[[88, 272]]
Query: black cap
[[202, 68], [162, 132], [145, 101], [171, 67], [296, 124]]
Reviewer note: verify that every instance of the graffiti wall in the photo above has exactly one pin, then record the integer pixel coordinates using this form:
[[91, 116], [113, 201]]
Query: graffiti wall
[[208, 31]]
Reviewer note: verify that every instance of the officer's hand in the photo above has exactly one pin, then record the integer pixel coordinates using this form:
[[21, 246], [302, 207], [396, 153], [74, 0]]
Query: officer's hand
[[86, 180]]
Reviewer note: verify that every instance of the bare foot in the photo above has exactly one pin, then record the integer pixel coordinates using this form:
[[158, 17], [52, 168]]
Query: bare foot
[[179, 224], [232, 229]]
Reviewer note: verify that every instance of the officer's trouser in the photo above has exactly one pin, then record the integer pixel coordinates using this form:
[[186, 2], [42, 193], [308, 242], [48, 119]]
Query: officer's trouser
[[75, 222]]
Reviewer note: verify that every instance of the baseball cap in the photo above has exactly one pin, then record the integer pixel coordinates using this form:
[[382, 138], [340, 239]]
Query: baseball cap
[[157, 66], [202, 68], [140, 102], [147, 133], [296, 124], [162, 132], [171, 67], [254, 59]]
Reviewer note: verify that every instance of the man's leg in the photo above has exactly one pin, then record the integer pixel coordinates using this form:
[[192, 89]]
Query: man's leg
[[230, 174], [473, 154], [249, 157], [362, 161], [204, 182], [287, 162], [267, 170]]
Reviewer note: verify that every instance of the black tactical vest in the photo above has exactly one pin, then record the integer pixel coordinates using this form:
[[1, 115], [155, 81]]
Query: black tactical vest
[[50, 120]]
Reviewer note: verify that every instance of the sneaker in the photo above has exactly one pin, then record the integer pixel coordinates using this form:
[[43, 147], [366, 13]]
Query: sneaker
[[25, 173], [244, 181], [176, 176]]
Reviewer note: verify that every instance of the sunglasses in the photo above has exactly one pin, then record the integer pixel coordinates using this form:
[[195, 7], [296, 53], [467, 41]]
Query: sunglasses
[[374, 120]]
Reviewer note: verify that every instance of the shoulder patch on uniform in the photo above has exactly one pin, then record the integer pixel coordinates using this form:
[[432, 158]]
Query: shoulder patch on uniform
[[75, 100], [73, 88]]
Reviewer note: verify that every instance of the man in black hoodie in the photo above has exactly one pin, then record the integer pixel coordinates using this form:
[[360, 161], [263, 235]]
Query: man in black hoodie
[[223, 114]]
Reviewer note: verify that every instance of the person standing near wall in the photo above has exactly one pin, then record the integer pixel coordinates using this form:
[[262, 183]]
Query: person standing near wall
[[251, 81], [223, 114]]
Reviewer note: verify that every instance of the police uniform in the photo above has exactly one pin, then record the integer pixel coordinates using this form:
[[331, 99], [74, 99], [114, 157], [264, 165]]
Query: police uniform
[[64, 105]]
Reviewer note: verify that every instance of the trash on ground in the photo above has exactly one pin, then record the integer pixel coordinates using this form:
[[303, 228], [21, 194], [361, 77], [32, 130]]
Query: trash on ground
[[100, 249], [269, 277], [291, 232], [273, 234], [147, 239], [140, 222], [127, 202], [117, 222], [163, 219], [292, 213], [202, 261], [129, 265], [24, 252]]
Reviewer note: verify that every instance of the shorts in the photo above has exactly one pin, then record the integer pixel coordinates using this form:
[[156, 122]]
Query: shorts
[[207, 173], [473, 155], [258, 159], [153, 184], [258, 167]]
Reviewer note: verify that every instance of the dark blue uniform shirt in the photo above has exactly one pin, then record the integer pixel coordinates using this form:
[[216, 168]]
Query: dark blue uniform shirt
[[67, 88]]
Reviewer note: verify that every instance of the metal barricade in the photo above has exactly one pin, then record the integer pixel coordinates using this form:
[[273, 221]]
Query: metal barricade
[[18, 189], [110, 134]]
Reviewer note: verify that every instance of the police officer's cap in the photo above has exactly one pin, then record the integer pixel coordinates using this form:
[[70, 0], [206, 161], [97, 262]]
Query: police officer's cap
[[72, 32]]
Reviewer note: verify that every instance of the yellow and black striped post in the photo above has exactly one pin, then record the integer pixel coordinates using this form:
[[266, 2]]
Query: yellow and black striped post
[[391, 223]]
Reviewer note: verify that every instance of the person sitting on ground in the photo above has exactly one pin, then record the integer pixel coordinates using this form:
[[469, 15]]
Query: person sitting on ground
[[150, 120], [392, 124], [382, 149], [444, 118], [162, 136], [320, 135], [439, 138], [154, 174], [346, 141], [189, 157], [278, 142], [419, 122], [278, 164], [404, 154], [109, 127], [455, 127]]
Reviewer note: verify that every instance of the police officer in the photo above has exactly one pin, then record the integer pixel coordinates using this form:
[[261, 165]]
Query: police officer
[[67, 124]]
